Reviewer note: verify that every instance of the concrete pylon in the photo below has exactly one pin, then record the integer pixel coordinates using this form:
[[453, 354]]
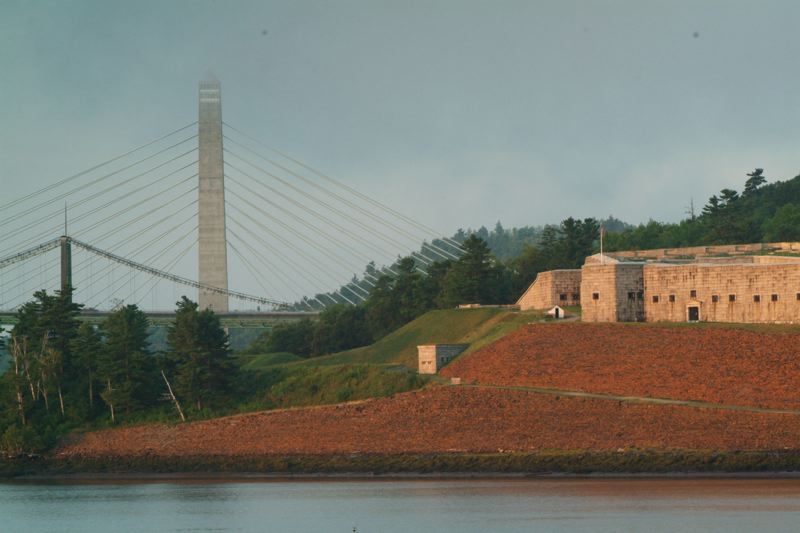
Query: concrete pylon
[[213, 255]]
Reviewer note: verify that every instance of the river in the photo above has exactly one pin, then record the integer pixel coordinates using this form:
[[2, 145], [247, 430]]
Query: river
[[366, 506]]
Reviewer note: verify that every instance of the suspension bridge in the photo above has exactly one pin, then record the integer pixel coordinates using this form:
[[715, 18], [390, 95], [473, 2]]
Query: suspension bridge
[[163, 219]]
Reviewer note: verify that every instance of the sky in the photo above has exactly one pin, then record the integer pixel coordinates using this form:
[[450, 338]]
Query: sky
[[456, 113]]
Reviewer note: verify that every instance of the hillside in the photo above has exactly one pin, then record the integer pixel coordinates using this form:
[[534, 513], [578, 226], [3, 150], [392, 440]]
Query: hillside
[[691, 394], [449, 419], [476, 327], [724, 365]]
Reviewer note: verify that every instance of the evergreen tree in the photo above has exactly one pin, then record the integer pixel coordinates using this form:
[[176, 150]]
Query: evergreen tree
[[199, 355], [340, 327], [475, 277], [87, 348], [126, 368], [755, 180]]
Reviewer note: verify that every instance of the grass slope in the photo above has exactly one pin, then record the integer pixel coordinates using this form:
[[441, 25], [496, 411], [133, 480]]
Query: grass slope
[[476, 327], [262, 361]]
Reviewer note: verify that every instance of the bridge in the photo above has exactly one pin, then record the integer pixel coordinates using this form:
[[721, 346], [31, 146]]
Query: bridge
[[125, 230]]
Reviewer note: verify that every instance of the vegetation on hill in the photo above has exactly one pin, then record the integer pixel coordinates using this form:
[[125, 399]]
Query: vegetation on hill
[[68, 376], [761, 212], [470, 326]]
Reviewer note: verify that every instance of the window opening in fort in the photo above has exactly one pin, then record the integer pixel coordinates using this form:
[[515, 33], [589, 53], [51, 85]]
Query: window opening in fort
[[757, 298], [774, 298], [576, 296], [562, 297], [731, 297], [693, 293], [694, 314], [715, 298], [595, 296], [631, 296], [655, 299], [798, 296], [671, 297], [640, 295]]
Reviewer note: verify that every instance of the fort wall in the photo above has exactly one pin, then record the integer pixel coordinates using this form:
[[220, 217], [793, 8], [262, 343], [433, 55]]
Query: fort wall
[[764, 291], [612, 292], [555, 287], [699, 251]]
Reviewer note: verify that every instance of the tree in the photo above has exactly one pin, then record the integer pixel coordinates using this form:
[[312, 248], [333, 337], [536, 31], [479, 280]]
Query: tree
[[86, 349], [198, 355], [340, 327], [292, 337], [784, 226], [755, 179], [126, 367], [475, 277]]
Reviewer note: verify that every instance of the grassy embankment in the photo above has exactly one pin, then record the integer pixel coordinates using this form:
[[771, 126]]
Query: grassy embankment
[[384, 368], [476, 327]]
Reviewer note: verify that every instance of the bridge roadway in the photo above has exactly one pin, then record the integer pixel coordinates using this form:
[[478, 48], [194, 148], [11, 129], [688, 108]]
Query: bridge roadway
[[163, 318]]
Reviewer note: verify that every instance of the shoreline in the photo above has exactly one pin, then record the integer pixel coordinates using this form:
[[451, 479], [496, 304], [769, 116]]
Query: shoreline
[[247, 477], [551, 464]]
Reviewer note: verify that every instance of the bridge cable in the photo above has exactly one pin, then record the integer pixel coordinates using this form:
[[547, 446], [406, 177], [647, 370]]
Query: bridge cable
[[130, 238], [331, 255], [298, 268], [455, 244], [138, 234], [168, 268], [107, 204], [316, 214], [175, 278], [289, 244], [250, 268], [308, 225], [102, 178], [370, 214], [154, 258], [284, 278], [84, 172], [339, 212]]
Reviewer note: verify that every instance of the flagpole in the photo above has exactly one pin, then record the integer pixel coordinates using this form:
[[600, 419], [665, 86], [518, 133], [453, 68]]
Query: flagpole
[[602, 259]]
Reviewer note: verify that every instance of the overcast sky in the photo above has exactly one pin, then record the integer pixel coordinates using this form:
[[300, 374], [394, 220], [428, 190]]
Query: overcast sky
[[524, 112]]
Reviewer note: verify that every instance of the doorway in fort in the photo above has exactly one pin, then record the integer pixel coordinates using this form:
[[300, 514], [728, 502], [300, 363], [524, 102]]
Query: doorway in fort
[[694, 313]]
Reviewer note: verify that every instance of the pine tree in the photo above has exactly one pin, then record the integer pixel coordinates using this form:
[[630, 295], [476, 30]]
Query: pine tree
[[126, 368], [87, 348], [199, 355]]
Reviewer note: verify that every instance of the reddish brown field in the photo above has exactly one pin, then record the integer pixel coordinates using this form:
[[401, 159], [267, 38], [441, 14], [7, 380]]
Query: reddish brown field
[[442, 419], [728, 366]]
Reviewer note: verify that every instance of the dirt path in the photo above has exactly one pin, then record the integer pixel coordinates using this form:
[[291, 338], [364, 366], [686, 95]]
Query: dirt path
[[636, 399]]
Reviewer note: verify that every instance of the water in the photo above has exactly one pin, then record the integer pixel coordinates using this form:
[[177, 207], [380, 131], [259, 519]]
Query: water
[[406, 505]]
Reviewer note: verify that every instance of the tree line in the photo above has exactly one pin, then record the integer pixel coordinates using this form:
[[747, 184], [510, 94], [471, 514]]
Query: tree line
[[66, 374], [760, 212], [478, 276]]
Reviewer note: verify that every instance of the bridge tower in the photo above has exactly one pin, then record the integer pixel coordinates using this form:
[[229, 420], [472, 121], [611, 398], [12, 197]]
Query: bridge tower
[[66, 261], [213, 257]]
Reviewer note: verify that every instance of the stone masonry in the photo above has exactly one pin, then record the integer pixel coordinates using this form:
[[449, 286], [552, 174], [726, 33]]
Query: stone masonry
[[433, 357], [612, 291], [555, 287], [758, 291]]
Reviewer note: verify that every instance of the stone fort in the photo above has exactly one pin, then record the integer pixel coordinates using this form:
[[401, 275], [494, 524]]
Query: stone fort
[[756, 283]]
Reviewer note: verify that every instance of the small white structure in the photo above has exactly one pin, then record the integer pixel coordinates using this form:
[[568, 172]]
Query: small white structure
[[432, 357], [556, 312]]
